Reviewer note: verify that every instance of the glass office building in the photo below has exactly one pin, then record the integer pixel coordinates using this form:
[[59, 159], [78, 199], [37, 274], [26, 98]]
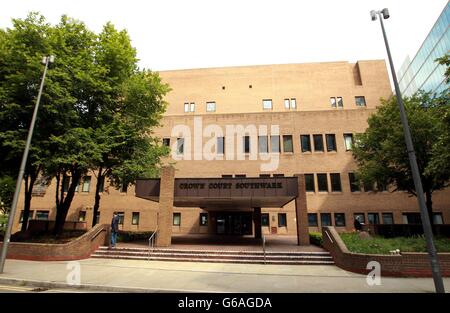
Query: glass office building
[[423, 73]]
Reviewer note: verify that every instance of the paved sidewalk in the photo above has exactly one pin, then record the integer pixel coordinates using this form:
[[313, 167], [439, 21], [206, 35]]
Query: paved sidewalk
[[155, 276]]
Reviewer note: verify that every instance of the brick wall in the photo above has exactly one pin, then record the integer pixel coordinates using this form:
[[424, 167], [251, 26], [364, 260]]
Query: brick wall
[[405, 265]]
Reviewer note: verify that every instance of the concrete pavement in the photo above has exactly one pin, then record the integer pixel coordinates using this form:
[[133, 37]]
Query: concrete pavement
[[155, 276]]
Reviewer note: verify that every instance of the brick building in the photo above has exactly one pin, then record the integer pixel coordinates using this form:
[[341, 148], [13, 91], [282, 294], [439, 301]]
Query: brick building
[[287, 120]]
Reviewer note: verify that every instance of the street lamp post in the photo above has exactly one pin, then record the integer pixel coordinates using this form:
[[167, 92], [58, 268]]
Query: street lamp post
[[438, 283], [46, 61]]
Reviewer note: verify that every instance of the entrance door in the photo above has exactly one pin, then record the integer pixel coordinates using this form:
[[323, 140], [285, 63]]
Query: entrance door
[[234, 223]]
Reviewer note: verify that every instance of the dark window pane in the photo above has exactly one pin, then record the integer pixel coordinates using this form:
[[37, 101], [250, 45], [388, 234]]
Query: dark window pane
[[309, 182], [102, 184], [388, 218], [82, 216], [360, 101], [135, 218], [331, 142], [437, 218], [333, 102], [282, 220], [263, 145], [287, 143], [361, 217], [312, 219], [318, 142], [348, 141], [322, 182], [264, 175], [373, 218], [336, 182], [412, 218], [339, 219], [265, 219], [305, 143], [180, 145], [220, 145], [42, 215], [340, 103], [354, 185], [176, 219], [246, 144], [325, 219], [275, 144], [121, 217], [166, 142], [203, 219]]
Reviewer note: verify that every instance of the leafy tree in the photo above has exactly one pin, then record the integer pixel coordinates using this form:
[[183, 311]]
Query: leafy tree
[[381, 153], [7, 187]]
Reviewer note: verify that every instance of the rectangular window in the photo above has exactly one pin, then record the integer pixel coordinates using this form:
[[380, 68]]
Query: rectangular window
[[373, 218], [278, 175], [322, 182], [340, 103], [333, 102], [282, 222], [210, 106], [176, 219], [86, 183], [360, 101], [437, 218], [354, 184], [286, 104], [265, 219], [361, 217], [305, 141], [412, 218], [97, 217], [203, 219], [65, 183], [121, 217], [331, 142], [220, 145], [42, 215], [267, 104], [335, 182], [275, 144], [135, 218], [102, 184], [318, 142], [264, 175], [186, 107], [348, 141], [309, 183], [30, 216], [246, 144], [180, 145], [388, 218], [263, 145], [166, 142], [227, 176], [312, 219], [293, 103], [82, 216], [339, 219], [192, 107], [287, 143], [240, 175], [325, 219]]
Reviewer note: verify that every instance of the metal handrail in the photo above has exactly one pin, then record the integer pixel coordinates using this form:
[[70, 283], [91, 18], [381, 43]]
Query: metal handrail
[[151, 242], [264, 247]]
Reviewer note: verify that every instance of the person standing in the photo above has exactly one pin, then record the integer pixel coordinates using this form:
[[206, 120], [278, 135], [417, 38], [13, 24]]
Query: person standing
[[114, 229]]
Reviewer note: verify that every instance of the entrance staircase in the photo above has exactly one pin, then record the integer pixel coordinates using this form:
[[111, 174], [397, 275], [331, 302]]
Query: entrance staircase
[[216, 256]]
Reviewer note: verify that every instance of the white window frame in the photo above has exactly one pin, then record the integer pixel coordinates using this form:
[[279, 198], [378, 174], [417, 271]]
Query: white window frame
[[211, 106], [267, 101]]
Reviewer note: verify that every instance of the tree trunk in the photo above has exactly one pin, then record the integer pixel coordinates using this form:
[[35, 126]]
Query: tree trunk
[[29, 184], [97, 195], [428, 195]]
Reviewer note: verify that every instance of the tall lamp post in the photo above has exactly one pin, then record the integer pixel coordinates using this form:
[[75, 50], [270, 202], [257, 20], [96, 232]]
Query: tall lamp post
[[45, 61], [438, 283]]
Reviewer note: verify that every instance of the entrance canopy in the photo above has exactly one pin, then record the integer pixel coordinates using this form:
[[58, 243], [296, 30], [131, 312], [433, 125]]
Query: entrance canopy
[[224, 192]]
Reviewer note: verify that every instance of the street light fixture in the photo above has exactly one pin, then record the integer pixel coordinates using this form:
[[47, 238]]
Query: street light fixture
[[438, 283], [45, 61]]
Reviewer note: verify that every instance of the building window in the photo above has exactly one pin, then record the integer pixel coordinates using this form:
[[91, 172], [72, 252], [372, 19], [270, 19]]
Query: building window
[[264, 175], [339, 219], [210, 106], [65, 183], [309, 183], [220, 145], [322, 182], [203, 219], [275, 144], [246, 144], [135, 218], [166, 142], [293, 103], [333, 102], [373, 218], [412, 218], [186, 107], [227, 176], [360, 101], [30, 216], [340, 103], [267, 104], [180, 145], [290, 103], [42, 215], [348, 141], [318, 142], [102, 183], [335, 182], [82, 216], [176, 219], [97, 217], [265, 219], [282, 222], [287, 143], [325, 219], [287, 104], [388, 218], [360, 216], [192, 105], [354, 184], [240, 175], [312, 219], [437, 218], [121, 217], [263, 145], [278, 175], [86, 183], [331, 142], [305, 141]]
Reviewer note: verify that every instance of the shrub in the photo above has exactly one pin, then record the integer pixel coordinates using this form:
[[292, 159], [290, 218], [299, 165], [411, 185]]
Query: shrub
[[127, 236], [316, 238]]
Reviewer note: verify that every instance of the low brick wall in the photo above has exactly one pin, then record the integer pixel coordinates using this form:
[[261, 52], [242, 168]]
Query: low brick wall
[[408, 264], [80, 248]]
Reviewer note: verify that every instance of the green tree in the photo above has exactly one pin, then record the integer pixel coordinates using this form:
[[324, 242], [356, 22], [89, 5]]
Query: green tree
[[381, 153], [7, 187]]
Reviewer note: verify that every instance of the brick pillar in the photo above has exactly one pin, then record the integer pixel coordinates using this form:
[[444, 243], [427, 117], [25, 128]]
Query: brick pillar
[[301, 212], [257, 222], [165, 212]]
